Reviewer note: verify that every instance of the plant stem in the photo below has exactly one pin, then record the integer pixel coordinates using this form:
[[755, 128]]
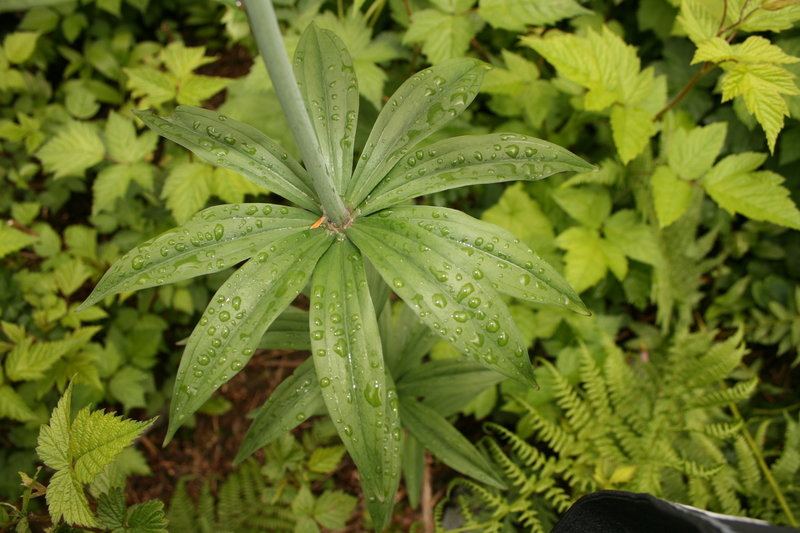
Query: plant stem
[[755, 449], [264, 24], [705, 69]]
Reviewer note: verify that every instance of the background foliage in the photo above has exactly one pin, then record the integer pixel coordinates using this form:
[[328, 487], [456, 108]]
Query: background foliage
[[684, 245]]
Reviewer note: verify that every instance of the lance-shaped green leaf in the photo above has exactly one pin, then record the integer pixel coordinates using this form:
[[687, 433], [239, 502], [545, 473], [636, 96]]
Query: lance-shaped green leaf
[[214, 239], [238, 147], [288, 332], [422, 105], [471, 160], [413, 469], [490, 251], [293, 401], [346, 348], [447, 384], [406, 340], [459, 306], [239, 313], [446, 442], [327, 81]]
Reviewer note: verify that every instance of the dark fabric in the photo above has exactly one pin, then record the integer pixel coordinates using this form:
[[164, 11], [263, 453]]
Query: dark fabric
[[612, 511]]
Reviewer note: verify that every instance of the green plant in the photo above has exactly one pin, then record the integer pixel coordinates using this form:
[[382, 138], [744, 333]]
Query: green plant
[[349, 215], [668, 426], [89, 449], [291, 491]]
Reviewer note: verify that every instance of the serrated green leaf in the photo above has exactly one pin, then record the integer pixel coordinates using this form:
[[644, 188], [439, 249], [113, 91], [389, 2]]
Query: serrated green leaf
[[187, 189], [181, 60], [601, 62], [421, 106], [762, 86], [54, 438], [111, 509], [110, 184], [29, 360], [12, 240], [470, 160], [446, 294], [517, 212], [303, 502], [632, 236], [755, 49], [214, 239], [443, 35], [74, 149], [127, 386], [588, 205], [325, 459], [512, 79], [589, 257], [13, 407], [333, 508], [327, 81], [671, 196], [631, 128], [96, 438], [19, 46], [293, 401], [146, 517], [238, 147], [737, 188], [232, 187], [439, 436], [241, 310], [197, 88], [517, 14], [70, 275], [152, 86], [692, 152], [699, 19], [66, 499], [124, 145], [346, 348], [486, 251]]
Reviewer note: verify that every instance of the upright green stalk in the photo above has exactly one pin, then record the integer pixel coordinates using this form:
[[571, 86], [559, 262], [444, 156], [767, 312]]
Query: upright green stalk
[[265, 28]]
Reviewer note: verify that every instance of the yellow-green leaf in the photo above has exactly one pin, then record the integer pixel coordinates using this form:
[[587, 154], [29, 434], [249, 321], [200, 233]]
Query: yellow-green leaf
[[631, 129], [671, 196], [73, 150]]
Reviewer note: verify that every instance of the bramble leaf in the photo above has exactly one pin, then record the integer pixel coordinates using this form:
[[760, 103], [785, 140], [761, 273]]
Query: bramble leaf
[[238, 147], [242, 309], [735, 185], [692, 152], [631, 128], [327, 81], [443, 35], [74, 149], [214, 239], [421, 106], [12, 240], [346, 348], [589, 257], [66, 499], [470, 160], [13, 407], [517, 14], [671, 195]]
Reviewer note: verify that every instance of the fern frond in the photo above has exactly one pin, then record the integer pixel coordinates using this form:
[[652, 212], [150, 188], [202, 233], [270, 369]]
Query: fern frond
[[558, 439], [595, 385], [716, 363], [531, 457], [749, 471], [787, 466], [717, 398], [723, 430], [725, 488], [577, 411]]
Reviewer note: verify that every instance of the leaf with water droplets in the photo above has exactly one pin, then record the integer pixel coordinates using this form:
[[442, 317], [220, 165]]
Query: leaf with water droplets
[[458, 306], [421, 106], [239, 313], [490, 252], [346, 348], [447, 384], [470, 160], [327, 81], [288, 332], [297, 398], [446, 442], [238, 147], [214, 239]]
